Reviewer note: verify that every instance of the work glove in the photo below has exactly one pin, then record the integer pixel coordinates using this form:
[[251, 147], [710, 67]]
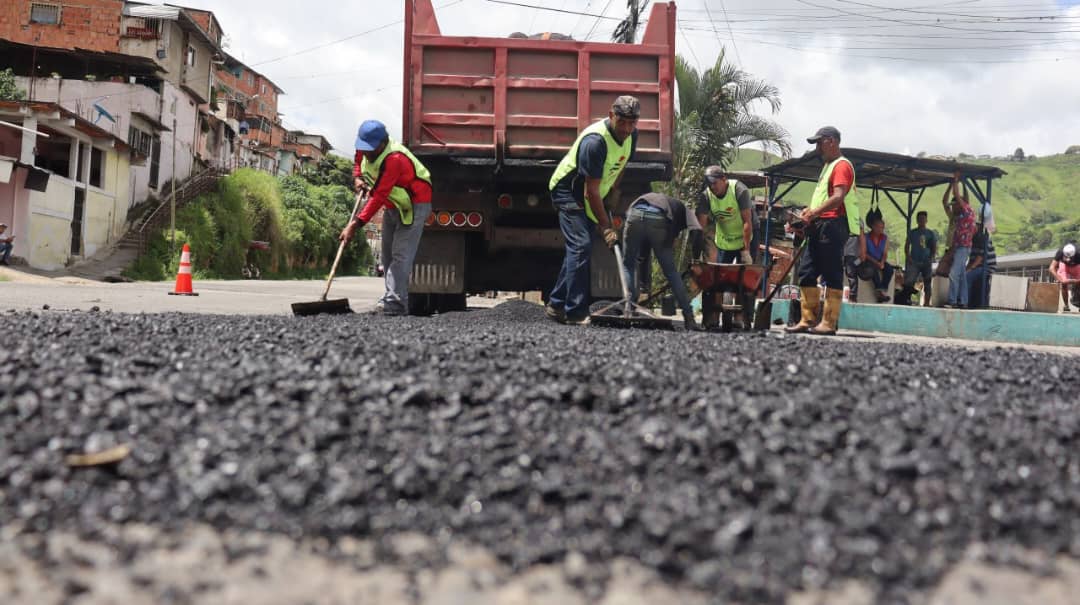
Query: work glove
[[697, 244], [744, 258], [611, 237]]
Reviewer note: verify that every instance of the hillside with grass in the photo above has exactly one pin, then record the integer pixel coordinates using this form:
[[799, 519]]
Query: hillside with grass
[[1036, 204]]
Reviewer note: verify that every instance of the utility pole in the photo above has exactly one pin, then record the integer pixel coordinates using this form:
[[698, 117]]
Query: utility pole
[[172, 197]]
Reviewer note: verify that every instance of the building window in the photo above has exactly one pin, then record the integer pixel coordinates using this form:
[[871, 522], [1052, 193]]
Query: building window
[[263, 89], [97, 158], [54, 154], [141, 27], [41, 12], [191, 56], [155, 162], [140, 141]]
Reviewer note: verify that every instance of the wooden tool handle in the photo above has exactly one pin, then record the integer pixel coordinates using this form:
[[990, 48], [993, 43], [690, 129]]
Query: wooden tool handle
[[360, 197]]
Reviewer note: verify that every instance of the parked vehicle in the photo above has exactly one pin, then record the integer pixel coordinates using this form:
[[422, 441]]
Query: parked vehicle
[[491, 118]]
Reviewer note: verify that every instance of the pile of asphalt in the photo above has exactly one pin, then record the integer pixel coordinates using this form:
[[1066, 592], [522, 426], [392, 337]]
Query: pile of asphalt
[[745, 465]]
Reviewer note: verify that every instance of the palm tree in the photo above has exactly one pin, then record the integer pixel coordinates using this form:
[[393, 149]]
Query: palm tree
[[715, 115], [626, 31]]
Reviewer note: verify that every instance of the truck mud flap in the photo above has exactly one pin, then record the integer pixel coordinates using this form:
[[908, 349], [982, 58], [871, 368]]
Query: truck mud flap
[[440, 264], [603, 279]]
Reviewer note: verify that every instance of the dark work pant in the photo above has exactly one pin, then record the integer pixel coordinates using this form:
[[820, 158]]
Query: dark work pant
[[653, 232], [978, 288], [728, 257], [571, 290], [883, 279], [824, 256]]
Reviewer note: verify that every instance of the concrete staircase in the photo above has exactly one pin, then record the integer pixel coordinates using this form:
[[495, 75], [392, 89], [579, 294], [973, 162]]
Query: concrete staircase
[[138, 236], [108, 264]]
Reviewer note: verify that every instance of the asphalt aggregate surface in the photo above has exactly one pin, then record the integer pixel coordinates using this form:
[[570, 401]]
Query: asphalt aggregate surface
[[745, 465]]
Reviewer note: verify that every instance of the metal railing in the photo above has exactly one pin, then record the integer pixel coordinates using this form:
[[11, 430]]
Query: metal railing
[[203, 182]]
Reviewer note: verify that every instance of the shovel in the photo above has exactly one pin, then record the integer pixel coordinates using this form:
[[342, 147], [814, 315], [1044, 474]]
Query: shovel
[[633, 315], [338, 305]]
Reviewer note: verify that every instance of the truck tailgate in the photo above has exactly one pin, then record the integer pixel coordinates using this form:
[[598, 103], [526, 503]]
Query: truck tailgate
[[514, 99]]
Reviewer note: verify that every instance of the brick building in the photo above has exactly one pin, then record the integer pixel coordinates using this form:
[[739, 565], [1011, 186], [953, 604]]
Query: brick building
[[86, 25], [153, 94]]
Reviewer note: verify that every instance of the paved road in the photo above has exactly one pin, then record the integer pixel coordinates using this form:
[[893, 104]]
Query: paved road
[[25, 291], [751, 468], [244, 297]]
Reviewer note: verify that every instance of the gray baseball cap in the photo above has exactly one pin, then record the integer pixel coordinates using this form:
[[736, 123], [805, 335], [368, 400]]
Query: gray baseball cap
[[714, 173], [824, 131], [627, 106]]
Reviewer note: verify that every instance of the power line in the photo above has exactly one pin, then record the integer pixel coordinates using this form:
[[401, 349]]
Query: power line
[[597, 22], [352, 96], [933, 25], [690, 47], [553, 9], [823, 51], [712, 24], [340, 40], [738, 59], [922, 12]]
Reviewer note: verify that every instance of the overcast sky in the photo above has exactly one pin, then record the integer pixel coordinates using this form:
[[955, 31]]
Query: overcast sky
[[974, 76]]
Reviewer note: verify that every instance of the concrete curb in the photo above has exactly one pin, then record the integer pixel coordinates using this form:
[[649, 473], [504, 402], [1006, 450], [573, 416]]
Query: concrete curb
[[985, 325]]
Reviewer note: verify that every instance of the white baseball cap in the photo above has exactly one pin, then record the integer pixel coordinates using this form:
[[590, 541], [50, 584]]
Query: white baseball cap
[[1068, 251]]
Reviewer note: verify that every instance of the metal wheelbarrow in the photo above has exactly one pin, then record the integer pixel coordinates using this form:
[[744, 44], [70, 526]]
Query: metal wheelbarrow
[[715, 280]]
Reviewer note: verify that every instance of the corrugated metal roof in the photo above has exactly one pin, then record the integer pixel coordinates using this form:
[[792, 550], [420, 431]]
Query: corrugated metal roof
[[151, 11], [884, 170]]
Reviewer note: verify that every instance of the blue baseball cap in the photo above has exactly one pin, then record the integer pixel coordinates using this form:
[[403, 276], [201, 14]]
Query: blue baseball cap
[[370, 135]]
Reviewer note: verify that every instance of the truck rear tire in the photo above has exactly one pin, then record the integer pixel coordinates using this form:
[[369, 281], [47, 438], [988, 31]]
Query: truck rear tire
[[428, 304]]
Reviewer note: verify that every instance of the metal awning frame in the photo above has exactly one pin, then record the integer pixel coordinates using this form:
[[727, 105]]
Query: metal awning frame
[[884, 173]]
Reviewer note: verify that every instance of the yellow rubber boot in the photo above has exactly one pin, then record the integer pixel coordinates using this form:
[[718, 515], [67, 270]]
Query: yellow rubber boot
[[810, 303], [830, 317]]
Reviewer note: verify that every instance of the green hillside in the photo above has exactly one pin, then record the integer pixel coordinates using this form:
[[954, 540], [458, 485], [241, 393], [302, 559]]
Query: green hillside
[[1036, 205]]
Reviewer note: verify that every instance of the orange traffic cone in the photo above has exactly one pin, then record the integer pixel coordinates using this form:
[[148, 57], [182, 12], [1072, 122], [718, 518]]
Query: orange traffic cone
[[183, 274]]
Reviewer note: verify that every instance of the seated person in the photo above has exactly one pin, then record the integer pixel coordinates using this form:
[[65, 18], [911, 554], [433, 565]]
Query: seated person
[[1066, 270], [877, 256], [7, 242]]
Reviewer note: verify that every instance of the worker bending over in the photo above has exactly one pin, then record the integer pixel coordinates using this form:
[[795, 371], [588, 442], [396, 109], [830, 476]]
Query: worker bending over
[[653, 221]]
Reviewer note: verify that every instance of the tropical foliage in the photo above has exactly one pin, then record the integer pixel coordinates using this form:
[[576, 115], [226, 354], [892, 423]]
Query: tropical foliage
[[298, 221], [717, 116], [9, 91]]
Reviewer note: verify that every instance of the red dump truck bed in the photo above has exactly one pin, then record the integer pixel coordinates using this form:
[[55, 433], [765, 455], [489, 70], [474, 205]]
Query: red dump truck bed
[[491, 118], [513, 98]]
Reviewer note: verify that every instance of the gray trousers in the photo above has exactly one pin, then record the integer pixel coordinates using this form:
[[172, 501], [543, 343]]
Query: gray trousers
[[399, 245]]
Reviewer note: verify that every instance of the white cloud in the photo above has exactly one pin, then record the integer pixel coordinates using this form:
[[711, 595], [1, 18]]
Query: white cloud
[[827, 63]]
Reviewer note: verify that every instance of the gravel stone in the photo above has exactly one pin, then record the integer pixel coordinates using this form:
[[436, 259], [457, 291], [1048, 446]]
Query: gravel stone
[[749, 466]]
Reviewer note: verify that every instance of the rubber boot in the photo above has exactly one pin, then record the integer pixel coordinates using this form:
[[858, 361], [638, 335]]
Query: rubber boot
[[830, 317], [810, 301]]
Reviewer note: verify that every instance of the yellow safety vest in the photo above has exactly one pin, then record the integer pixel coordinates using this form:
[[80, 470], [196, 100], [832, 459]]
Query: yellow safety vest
[[398, 195], [728, 218], [617, 157], [821, 194]]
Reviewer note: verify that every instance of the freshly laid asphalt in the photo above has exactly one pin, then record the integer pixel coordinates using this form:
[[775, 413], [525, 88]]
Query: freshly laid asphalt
[[747, 466]]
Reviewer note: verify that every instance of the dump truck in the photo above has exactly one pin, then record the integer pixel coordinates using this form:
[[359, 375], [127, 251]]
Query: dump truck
[[491, 118]]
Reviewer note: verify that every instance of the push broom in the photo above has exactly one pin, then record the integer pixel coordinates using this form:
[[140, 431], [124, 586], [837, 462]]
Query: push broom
[[337, 305]]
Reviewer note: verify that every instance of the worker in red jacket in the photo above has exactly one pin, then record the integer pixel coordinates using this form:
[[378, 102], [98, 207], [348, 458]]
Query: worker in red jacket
[[396, 181]]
